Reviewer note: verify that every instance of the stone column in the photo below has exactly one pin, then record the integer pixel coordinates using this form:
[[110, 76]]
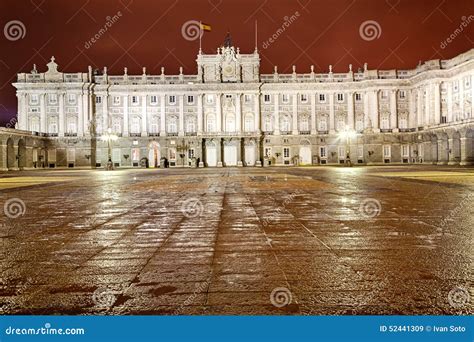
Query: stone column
[[366, 109], [219, 151], [350, 110], [80, 126], [375, 110], [427, 107], [331, 112], [419, 111], [411, 110], [314, 128], [467, 151], [125, 116], [276, 98], [202, 147], [42, 99], [437, 104], [294, 114], [199, 114], [257, 113], [453, 150], [239, 152], [238, 113], [181, 115], [449, 102], [442, 151], [162, 115], [144, 116], [22, 111], [61, 118], [218, 113], [393, 110]]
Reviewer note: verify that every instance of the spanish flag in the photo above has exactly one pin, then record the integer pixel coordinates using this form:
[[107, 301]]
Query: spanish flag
[[205, 27]]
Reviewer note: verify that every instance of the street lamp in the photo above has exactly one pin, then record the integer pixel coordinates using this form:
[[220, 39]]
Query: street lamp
[[109, 136], [347, 134]]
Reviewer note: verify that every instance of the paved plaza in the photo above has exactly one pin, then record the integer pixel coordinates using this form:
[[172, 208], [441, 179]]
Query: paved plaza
[[311, 241]]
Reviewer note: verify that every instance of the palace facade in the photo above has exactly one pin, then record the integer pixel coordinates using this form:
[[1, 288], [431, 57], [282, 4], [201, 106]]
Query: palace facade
[[228, 114]]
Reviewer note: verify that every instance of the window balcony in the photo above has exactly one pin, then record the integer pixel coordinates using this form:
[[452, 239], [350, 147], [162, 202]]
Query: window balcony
[[135, 135], [305, 132], [190, 134], [386, 130], [285, 132], [172, 134], [70, 134], [267, 132], [154, 134], [323, 132]]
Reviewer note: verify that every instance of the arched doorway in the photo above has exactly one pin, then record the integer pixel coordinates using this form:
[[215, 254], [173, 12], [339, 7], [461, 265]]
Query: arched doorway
[[211, 154], [154, 154], [230, 153], [250, 153], [21, 154], [11, 157], [305, 153]]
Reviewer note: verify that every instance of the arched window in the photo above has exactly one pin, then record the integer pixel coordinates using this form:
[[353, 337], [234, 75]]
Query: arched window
[[248, 123], [71, 124], [117, 126], [53, 125], [135, 127], [341, 124], [403, 123], [211, 123], [268, 123], [154, 127], [172, 125], [385, 123], [323, 126], [304, 123], [230, 123], [285, 124], [34, 124], [190, 124]]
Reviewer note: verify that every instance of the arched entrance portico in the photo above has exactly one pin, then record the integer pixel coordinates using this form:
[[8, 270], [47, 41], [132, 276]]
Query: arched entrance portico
[[249, 153], [153, 154], [11, 157], [305, 153], [21, 154], [211, 154]]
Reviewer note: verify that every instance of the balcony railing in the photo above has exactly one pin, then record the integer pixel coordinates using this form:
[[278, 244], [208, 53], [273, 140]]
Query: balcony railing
[[285, 132], [323, 132], [154, 134], [70, 134], [386, 130], [305, 132], [136, 135]]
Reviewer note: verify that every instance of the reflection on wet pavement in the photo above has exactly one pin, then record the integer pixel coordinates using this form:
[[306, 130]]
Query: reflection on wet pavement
[[374, 240]]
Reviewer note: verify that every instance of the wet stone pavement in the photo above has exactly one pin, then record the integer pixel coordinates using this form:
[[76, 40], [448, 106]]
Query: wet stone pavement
[[310, 241]]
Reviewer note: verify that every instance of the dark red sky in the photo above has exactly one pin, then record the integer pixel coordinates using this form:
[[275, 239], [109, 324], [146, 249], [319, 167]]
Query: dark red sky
[[149, 34]]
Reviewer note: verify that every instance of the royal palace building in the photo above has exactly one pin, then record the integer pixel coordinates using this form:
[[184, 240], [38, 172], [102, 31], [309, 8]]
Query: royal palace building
[[229, 114]]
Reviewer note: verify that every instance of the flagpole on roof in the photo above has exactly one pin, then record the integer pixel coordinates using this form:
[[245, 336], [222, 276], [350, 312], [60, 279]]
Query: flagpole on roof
[[201, 31], [256, 36]]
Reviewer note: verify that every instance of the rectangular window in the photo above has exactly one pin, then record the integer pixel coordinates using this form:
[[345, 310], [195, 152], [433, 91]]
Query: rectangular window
[[134, 99], [71, 98], [360, 151], [387, 151], [322, 98], [190, 99], [322, 152], [53, 98], [135, 154], [116, 100], [384, 94], [247, 98], [266, 98], [341, 152], [98, 99], [172, 99], [405, 151], [286, 152], [455, 86], [340, 97], [268, 152], [34, 98], [358, 97], [285, 98], [172, 154], [304, 98], [209, 98], [191, 153], [402, 94], [153, 99]]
